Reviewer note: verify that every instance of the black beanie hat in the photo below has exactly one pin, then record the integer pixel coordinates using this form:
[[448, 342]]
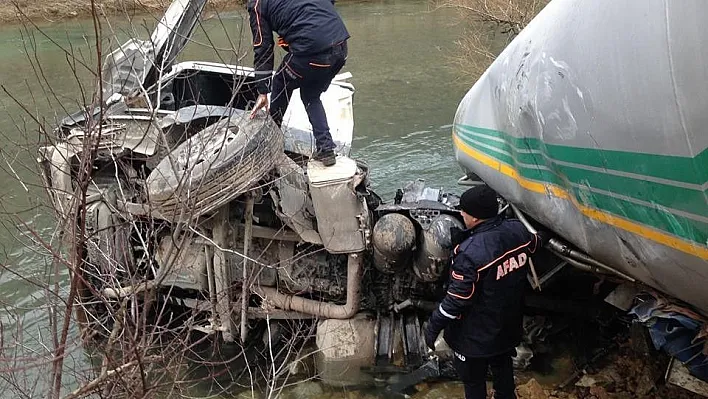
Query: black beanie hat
[[480, 202]]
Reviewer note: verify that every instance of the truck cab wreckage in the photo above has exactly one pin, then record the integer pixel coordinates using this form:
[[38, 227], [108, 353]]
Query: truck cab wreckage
[[186, 196]]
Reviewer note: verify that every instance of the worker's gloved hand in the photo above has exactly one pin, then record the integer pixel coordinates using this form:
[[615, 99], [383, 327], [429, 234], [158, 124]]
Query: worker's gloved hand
[[435, 325]]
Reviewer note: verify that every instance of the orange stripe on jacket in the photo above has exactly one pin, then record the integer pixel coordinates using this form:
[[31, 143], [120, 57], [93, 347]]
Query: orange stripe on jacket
[[320, 65], [463, 297], [258, 22]]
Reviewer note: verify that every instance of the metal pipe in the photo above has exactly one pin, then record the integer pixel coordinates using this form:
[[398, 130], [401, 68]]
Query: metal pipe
[[561, 249], [122, 292], [523, 219], [581, 266], [532, 231], [260, 232], [550, 274], [211, 279], [533, 273], [245, 288], [416, 303], [222, 274], [317, 308], [581, 260], [258, 313]]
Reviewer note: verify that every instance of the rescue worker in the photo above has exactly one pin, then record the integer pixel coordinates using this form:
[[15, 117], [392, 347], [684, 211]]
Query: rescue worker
[[481, 313], [315, 37]]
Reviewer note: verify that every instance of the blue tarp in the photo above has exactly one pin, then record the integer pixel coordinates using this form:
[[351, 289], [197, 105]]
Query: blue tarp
[[675, 333]]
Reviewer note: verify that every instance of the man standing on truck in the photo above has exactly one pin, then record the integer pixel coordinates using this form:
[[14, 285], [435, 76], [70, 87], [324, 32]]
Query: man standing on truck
[[481, 312], [315, 37]]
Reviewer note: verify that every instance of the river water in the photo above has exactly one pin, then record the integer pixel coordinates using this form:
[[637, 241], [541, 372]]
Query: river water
[[405, 101]]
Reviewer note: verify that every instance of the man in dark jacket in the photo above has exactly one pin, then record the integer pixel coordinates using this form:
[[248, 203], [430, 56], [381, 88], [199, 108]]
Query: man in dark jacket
[[482, 310], [315, 37]]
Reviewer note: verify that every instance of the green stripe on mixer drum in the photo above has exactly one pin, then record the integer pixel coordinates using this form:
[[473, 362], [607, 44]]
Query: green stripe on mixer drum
[[693, 171], [678, 207]]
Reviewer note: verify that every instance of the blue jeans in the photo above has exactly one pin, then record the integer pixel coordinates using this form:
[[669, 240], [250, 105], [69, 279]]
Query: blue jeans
[[313, 75]]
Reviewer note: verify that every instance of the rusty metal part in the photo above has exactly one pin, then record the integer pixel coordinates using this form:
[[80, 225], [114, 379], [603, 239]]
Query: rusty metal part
[[317, 308], [209, 257]]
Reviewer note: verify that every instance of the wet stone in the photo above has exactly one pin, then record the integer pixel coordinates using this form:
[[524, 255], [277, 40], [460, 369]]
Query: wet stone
[[598, 380], [532, 390], [598, 392]]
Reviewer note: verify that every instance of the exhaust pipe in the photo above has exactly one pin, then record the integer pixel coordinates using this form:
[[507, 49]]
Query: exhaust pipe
[[575, 258], [317, 308]]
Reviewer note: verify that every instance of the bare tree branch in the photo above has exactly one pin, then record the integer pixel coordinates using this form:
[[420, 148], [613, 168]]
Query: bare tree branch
[[489, 25]]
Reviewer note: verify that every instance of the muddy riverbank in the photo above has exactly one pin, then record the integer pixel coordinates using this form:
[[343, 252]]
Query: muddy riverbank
[[18, 11], [43, 11], [625, 373]]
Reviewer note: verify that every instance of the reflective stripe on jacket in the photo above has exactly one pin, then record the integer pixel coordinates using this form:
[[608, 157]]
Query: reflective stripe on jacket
[[485, 294]]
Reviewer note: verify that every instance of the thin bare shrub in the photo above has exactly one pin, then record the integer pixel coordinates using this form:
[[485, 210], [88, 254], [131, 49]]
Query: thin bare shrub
[[98, 323], [489, 25]]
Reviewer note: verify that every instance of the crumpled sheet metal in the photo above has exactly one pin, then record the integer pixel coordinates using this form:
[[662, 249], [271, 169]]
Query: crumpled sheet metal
[[294, 206]]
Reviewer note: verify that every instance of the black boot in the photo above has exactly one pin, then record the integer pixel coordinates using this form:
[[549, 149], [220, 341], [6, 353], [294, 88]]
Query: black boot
[[327, 157]]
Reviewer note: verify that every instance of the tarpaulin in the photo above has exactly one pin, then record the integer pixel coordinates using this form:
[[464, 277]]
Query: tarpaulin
[[673, 331]]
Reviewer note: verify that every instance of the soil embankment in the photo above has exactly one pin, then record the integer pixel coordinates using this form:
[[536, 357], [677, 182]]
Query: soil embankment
[[19, 11]]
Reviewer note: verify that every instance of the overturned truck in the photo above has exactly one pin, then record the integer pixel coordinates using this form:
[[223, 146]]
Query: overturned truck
[[176, 191], [182, 194]]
